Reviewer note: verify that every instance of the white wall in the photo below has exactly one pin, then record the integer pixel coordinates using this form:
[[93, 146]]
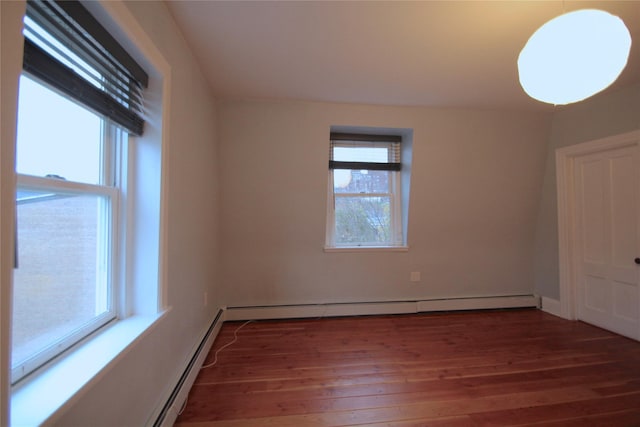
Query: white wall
[[475, 189], [131, 389], [607, 114]]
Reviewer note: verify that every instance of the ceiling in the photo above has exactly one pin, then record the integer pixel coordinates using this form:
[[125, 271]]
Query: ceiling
[[434, 53]]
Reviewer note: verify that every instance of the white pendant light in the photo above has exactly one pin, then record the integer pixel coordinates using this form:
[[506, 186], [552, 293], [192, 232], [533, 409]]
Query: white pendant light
[[341, 178], [574, 56]]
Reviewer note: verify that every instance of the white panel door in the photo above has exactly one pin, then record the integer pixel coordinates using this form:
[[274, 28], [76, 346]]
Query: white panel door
[[606, 217]]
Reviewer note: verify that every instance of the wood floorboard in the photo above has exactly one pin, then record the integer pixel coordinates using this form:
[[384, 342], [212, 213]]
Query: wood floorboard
[[491, 368]]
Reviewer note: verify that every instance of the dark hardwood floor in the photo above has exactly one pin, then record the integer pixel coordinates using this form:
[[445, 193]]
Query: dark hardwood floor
[[491, 368]]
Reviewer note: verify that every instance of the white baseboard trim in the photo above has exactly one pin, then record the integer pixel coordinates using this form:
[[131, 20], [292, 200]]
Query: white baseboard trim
[[378, 308], [173, 400], [516, 301], [551, 306]]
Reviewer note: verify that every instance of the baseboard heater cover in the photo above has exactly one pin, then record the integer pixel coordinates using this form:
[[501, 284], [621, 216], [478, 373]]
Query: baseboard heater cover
[[168, 415], [290, 311]]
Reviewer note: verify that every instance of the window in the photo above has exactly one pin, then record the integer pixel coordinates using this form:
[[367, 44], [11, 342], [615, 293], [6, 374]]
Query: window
[[364, 191], [80, 98]]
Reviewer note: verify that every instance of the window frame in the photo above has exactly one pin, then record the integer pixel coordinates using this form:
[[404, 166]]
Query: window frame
[[68, 51], [144, 302], [394, 194], [112, 142]]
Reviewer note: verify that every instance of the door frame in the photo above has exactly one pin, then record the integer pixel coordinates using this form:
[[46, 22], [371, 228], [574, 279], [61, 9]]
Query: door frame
[[568, 263]]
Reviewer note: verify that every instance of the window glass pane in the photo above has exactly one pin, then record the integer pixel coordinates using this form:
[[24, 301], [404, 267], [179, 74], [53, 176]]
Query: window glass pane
[[57, 136], [60, 284], [361, 181], [363, 153], [363, 220]]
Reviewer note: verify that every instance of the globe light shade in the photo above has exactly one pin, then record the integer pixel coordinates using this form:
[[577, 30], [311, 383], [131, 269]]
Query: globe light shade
[[341, 178], [574, 56]]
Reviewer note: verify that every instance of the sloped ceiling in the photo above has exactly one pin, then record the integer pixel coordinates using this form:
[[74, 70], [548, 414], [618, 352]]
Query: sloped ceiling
[[434, 53]]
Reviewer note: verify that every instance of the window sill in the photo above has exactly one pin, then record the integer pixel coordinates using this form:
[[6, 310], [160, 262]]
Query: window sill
[[44, 394], [366, 248]]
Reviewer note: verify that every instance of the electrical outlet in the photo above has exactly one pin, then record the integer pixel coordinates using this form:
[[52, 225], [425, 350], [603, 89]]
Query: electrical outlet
[[415, 276]]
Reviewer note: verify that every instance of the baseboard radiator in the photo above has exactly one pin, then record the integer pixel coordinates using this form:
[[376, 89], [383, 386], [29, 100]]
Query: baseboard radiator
[[171, 408], [379, 308]]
